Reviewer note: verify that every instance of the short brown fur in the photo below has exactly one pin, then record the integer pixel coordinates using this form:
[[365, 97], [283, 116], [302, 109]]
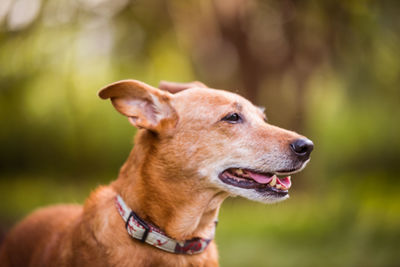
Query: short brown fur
[[161, 181]]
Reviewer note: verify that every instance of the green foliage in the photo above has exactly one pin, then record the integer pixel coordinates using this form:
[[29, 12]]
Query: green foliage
[[328, 69]]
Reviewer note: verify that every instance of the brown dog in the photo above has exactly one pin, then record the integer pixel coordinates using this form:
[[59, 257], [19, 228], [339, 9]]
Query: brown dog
[[194, 149]]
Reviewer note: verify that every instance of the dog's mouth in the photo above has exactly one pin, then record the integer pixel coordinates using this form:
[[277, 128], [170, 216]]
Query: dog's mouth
[[277, 183]]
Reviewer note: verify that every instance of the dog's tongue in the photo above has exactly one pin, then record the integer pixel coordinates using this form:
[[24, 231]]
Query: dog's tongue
[[260, 178], [267, 178]]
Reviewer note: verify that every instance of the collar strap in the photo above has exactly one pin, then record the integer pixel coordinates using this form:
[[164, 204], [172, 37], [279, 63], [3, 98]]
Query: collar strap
[[145, 232]]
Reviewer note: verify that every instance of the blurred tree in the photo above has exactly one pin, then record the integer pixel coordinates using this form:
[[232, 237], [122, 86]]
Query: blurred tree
[[328, 69], [59, 52]]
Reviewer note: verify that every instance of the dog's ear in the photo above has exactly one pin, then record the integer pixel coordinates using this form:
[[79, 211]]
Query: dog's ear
[[145, 106], [174, 87]]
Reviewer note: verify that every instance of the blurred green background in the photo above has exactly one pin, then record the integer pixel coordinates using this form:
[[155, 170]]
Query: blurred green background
[[327, 69]]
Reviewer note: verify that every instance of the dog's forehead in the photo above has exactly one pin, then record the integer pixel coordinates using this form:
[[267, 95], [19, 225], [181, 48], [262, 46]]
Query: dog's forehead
[[206, 98]]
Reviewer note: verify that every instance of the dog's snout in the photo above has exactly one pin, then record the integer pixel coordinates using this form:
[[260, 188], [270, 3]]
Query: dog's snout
[[302, 148]]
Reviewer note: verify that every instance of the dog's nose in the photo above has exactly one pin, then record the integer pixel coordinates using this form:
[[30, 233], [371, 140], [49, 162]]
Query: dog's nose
[[302, 148]]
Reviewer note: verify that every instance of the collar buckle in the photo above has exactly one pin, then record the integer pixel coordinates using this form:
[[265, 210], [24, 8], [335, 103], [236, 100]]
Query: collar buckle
[[141, 222]]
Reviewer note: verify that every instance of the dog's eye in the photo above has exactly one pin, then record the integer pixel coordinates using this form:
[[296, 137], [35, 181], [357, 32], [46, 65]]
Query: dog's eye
[[232, 118]]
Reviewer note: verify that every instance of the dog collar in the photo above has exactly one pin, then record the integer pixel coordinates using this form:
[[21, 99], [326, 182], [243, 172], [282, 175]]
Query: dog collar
[[145, 232]]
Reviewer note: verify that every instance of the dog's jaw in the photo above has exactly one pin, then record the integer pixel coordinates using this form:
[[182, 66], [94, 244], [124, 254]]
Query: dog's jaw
[[263, 196], [266, 197]]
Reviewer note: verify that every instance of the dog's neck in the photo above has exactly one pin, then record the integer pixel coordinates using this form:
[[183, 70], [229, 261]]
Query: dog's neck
[[164, 196]]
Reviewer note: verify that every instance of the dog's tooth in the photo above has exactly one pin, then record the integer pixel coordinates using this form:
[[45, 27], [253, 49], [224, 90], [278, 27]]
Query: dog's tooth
[[273, 182], [239, 171], [278, 186]]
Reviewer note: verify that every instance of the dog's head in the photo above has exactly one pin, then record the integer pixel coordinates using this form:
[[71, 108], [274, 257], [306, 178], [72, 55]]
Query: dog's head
[[215, 138]]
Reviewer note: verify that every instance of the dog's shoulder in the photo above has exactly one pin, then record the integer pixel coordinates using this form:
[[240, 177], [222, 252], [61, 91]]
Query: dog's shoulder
[[40, 233]]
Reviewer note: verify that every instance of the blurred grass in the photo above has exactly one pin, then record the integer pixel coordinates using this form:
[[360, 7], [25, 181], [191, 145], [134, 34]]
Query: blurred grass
[[333, 229], [22, 194], [335, 226]]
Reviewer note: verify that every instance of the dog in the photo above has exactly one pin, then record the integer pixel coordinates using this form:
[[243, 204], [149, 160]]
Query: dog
[[195, 147]]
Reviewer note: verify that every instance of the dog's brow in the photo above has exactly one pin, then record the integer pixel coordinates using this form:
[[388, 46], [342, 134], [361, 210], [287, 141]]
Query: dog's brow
[[237, 106]]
